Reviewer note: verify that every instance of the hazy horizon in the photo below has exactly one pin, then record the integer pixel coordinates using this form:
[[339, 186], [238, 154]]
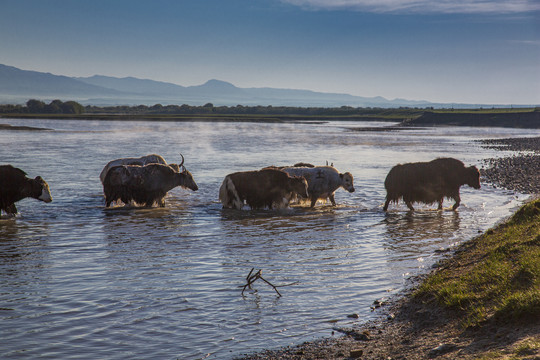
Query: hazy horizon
[[450, 52]]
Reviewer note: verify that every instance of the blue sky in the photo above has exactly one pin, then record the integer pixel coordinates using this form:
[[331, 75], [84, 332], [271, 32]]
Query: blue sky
[[479, 52]]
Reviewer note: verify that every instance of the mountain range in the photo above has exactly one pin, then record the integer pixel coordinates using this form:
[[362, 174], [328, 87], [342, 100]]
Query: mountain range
[[18, 86]]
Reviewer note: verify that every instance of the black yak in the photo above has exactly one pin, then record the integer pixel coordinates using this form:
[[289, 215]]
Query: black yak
[[429, 182], [266, 188], [15, 186], [144, 185], [141, 161]]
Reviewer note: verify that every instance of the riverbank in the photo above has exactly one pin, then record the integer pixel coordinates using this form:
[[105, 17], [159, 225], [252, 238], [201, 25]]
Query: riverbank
[[24, 128], [516, 119], [405, 117], [520, 172], [481, 302]]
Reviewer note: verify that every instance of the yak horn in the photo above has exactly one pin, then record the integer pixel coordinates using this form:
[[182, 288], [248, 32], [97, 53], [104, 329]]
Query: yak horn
[[182, 163]]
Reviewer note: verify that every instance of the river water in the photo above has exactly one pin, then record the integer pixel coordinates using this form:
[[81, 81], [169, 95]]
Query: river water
[[81, 281]]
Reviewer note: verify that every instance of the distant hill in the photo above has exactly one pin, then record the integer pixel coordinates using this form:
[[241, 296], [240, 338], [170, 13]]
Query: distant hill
[[131, 85], [224, 93], [18, 86], [17, 82]]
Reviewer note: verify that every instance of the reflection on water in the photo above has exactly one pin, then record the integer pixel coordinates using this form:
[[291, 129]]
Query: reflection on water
[[166, 282], [414, 235], [420, 227]]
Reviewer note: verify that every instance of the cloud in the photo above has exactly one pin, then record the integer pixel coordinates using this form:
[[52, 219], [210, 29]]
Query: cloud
[[423, 6], [527, 42]]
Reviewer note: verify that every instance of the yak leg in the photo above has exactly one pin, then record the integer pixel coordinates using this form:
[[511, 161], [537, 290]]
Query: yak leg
[[313, 201], [458, 201], [440, 204], [148, 204], [11, 209], [386, 204], [331, 197], [409, 205]]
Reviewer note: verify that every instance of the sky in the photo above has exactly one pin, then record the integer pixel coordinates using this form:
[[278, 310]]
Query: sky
[[450, 51]]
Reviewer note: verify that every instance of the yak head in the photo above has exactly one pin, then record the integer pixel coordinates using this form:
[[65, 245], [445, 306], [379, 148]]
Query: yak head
[[41, 190], [347, 181], [473, 177], [187, 180], [299, 186], [186, 177]]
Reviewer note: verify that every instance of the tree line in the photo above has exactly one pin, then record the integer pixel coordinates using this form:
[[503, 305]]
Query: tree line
[[209, 109], [34, 106]]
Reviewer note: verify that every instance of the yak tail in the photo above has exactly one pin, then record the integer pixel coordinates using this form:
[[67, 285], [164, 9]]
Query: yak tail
[[229, 196]]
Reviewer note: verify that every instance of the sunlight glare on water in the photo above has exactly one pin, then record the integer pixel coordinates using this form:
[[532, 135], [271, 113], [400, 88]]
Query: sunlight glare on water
[[77, 278]]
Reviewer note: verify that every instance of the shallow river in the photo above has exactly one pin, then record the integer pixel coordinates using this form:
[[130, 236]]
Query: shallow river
[[81, 281]]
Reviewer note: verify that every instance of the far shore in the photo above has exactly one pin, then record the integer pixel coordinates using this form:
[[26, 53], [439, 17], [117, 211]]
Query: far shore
[[403, 117]]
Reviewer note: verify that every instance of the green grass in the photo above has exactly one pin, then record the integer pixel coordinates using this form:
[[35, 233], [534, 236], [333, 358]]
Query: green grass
[[523, 350], [527, 347], [495, 276]]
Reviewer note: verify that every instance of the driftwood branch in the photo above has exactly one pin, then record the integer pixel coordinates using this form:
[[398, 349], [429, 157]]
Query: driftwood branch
[[252, 277]]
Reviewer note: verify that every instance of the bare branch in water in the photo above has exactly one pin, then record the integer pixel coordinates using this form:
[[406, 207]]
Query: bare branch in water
[[251, 278]]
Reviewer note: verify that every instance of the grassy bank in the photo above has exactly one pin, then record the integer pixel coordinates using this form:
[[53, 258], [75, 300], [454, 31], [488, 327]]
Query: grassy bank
[[493, 280], [495, 276]]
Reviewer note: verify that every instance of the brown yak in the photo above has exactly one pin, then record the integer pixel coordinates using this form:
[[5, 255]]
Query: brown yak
[[271, 188], [429, 182]]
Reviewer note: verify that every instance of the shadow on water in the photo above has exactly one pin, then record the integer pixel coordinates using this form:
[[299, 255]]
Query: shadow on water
[[24, 258], [414, 232], [234, 214], [9, 249], [142, 220], [284, 222], [147, 234], [290, 212]]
